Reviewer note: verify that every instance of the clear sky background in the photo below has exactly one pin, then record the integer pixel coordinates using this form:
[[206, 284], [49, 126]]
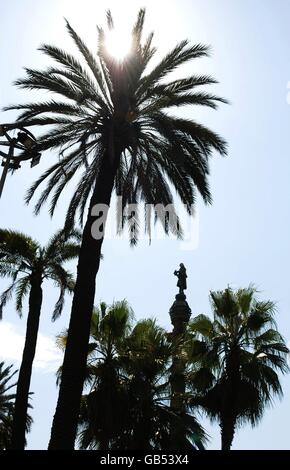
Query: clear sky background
[[242, 238]]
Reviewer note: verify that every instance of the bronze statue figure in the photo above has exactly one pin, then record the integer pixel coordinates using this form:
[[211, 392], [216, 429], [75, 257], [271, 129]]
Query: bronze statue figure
[[181, 274]]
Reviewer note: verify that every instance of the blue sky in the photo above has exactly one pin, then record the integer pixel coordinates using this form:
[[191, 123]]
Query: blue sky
[[242, 238]]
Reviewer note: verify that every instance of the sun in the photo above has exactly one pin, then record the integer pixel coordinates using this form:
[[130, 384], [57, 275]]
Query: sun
[[118, 44]]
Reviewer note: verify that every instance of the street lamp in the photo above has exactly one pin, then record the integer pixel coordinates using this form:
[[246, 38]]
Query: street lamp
[[25, 142]]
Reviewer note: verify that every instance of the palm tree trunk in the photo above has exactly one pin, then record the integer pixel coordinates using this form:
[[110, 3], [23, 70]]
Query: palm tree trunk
[[227, 432], [65, 420], [23, 384]]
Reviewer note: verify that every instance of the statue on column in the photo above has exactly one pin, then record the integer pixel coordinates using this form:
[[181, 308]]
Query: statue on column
[[181, 275]]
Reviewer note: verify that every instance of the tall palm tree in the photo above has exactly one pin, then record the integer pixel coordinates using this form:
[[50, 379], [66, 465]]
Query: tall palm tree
[[29, 264], [236, 360], [115, 122]]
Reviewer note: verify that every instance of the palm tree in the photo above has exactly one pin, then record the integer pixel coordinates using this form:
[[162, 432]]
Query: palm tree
[[127, 406], [150, 417], [115, 123], [29, 264], [103, 409], [236, 360]]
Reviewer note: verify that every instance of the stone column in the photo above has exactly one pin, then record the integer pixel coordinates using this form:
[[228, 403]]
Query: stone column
[[180, 314]]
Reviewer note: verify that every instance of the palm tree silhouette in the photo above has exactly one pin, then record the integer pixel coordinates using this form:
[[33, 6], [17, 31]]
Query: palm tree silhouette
[[6, 404], [29, 264], [150, 416], [236, 360]]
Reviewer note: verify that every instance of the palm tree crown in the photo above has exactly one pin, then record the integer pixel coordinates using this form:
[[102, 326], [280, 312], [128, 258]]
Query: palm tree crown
[[236, 358], [22, 259], [121, 112]]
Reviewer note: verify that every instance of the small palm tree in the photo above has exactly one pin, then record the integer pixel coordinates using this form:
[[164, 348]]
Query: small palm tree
[[151, 418], [29, 264], [115, 122], [236, 360]]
